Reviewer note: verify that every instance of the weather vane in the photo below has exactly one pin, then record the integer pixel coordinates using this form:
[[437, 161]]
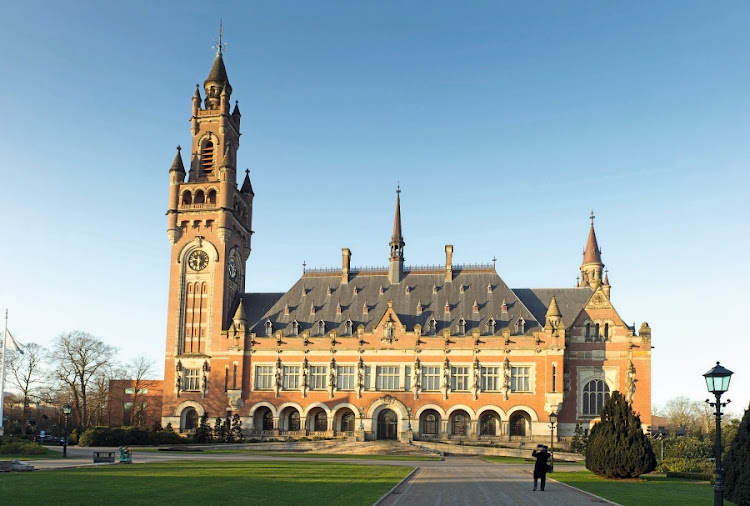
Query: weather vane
[[220, 44]]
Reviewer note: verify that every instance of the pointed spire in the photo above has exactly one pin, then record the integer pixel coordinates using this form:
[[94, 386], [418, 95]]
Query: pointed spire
[[240, 316], [397, 219], [592, 254], [197, 94], [247, 187], [217, 81], [236, 111], [177, 165], [553, 310], [396, 268]]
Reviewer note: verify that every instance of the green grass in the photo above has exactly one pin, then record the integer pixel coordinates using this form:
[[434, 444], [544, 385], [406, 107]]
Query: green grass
[[291, 454], [50, 454], [522, 460], [191, 482], [647, 489]]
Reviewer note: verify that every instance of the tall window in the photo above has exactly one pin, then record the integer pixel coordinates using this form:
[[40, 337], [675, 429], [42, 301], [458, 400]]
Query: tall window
[[294, 421], [588, 331], [268, 420], [596, 332], [606, 331], [387, 377], [491, 379], [520, 379], [488, 425], [192, 380], [207, 158], [431, 424], [345, 377], [318, 374], [595, 394], [291, 377], [460, 421], [263, 377], [554, 378], [234, 377], [347, 422], [460, 378], [430, 378]]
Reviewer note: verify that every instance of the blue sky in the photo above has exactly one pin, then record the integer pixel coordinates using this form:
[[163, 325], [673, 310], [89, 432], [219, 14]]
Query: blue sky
[[506, 123]]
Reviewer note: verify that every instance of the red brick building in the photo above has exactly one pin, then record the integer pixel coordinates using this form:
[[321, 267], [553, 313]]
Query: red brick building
[[128, 408]]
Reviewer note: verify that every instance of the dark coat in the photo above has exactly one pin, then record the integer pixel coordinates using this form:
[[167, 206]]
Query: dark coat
[[540, 467]]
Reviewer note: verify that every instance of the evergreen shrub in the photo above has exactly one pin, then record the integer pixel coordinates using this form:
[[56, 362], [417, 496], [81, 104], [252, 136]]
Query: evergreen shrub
[[617, 446], [737, 465], [22, 448]]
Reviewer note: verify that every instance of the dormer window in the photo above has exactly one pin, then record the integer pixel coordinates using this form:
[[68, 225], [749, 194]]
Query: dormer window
[[432, 327], [365, 309], [476, 307], [321, 328], [328, 291], [207, 158], [419, 308], [348, 327], [338, 308], [406, 292], [521, 325], [461, 327], [312, 309], [447, 307], [489, 287], [380, 290], [286, 309], [434, 289], [269, 328], [491, 327], [295, 328]]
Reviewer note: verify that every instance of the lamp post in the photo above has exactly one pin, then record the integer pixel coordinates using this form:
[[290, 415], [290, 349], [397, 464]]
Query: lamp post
[[66, 410], [552, 420], [717, 382], [408, 412], [361, 415]]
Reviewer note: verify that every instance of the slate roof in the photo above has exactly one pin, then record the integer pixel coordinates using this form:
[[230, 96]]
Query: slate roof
[[256, 305], [315, 297], [570, 301]]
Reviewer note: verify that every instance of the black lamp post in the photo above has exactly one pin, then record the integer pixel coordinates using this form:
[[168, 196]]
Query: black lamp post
[[408, 412], [717, 382], [552, 420], [361, 414], [66, 410]]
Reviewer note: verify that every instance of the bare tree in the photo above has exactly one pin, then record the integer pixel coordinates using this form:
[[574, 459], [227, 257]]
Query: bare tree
[[682, 414], [140, 370], [79, 357], [27, 373]]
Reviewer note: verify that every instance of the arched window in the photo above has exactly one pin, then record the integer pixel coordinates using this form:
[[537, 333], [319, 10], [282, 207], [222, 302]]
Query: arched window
[[269, 328], [596, 332], [295, 328], [431, 424], [207, 158], [191, 419], [595, 394], [212, 197], [187, 197], [294, 421], [606, 331], [200, 197], [268, 420], [347, 422], [521, 326], [432, 327], [491, 327], [321, 328], [321, 421], [518, 424], [461, 327], [348, 327], [460, 421], [588, 331], [488, 425]]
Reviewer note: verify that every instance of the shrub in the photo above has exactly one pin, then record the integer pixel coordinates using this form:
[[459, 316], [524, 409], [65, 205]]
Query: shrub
[[737, 464], [617, 446], [73, 438], [203, 433], [22, 448], [692, 476], [578, 445], [677, 465], [124, 436]]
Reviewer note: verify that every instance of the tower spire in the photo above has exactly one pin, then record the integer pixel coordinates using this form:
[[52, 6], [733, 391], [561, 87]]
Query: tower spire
[[592, 266], [396, 267]]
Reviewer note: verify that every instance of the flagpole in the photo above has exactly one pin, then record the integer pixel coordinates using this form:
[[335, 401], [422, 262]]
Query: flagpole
[[2, 375]]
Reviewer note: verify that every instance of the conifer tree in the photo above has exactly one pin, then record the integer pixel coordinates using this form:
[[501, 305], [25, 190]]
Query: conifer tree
[[237, 428], [218, 430], [226, 430], [737, 465], [617, 446], [203, 432], [578, 444]]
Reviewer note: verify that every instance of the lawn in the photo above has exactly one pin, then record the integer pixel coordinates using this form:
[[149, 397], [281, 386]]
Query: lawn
[[50, 454], [639, 491], [309, 455], [523, 460], [191, 482]]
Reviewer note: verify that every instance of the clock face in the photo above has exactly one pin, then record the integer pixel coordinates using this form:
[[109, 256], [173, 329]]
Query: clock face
[[198, 260], [232, 268]]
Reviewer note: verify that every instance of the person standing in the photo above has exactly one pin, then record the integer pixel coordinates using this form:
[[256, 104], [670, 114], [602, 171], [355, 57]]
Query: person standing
[[540, 466]]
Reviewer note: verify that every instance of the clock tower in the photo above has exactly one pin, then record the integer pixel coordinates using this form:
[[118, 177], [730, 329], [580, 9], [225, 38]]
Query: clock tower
[[209, 228]]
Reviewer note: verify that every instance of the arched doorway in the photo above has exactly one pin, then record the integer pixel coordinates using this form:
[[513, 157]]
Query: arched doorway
[[387, 425], [263, 419], [347, 421], [460, 424], [488, 424], [429, 423], [320, 421], [520, 424], [189, 420]]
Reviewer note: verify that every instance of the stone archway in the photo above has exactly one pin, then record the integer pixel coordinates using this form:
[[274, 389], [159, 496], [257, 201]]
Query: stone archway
[[387, 425]]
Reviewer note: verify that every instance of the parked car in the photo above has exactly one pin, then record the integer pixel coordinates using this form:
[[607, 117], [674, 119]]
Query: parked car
[[49, 439]]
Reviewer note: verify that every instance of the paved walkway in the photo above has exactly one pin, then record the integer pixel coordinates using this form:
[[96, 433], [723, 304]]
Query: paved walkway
[[457, 480]]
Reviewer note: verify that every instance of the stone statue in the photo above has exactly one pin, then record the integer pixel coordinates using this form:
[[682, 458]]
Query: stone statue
[[506, 378], [630, 382]]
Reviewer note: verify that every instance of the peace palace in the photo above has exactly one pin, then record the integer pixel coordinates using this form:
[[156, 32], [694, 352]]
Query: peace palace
[[423, 353]]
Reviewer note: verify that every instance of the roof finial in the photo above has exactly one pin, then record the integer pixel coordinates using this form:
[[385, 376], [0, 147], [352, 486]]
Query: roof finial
[[220, 45], [304, 266], [494, 262], [592, 217], [398, 187]]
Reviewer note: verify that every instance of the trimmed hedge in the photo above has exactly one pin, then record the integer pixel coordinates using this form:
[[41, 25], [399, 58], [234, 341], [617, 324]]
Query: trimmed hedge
[[22, 448], [123, 436], [677, 465], [692, 476]]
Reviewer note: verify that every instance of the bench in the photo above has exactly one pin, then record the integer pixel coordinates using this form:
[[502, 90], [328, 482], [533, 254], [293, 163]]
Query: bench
[[104, 457]]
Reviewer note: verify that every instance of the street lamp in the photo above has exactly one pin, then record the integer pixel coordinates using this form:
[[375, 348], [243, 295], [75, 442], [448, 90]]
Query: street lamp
[[408, 412], [66, 410], [552, 420], [717, 382], [361, 414]]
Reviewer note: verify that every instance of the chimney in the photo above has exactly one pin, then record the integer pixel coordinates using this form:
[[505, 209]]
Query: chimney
[[448, 262], [345, 265]]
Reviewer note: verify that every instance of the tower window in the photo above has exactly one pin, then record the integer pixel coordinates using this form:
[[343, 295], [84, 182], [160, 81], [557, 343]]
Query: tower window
[[596, 332], [207, 158], [187, 198], [606, 331], [212, 197], [200, 197]]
